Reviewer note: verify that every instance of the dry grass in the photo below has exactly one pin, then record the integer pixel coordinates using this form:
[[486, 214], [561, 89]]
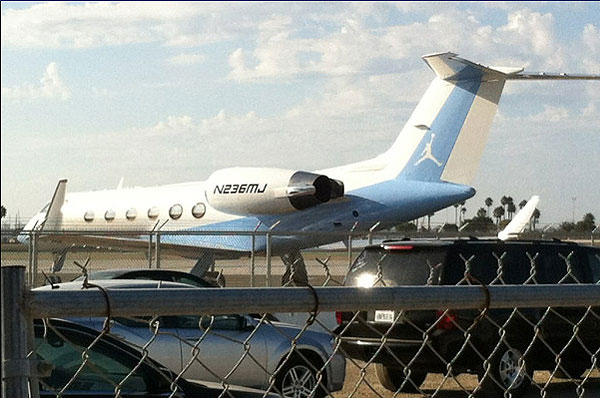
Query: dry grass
[[454, 388]]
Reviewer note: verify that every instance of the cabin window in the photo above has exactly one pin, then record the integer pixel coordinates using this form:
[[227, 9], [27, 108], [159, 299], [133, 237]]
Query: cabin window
[[88, 216], [131, 214], [176, 211], [153, 212], [198, 210], [109, 215]]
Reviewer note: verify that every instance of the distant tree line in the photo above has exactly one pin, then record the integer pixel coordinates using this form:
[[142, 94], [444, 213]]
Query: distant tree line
[[490, 219]]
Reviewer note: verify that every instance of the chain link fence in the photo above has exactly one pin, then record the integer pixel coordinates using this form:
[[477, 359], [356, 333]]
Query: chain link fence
[[470, 333]]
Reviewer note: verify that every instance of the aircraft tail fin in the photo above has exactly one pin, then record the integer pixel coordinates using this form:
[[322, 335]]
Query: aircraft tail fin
[[518, 223], [445, 136], [54, 214]]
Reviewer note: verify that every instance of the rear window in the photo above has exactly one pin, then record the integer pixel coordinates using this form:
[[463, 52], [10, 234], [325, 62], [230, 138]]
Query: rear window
[[489, 263], [560, 265], [594, 261], [415, 266]]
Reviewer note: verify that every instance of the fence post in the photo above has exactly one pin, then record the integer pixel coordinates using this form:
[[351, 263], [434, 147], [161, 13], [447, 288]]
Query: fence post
[[35, 251], [350, 244], [252, 259], [30, 249], [371, 231], [157, 250], [268, 254], [150, 250], [15, 365]]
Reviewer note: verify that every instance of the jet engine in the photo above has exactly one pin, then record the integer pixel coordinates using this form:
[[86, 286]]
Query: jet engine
[[249, 190]]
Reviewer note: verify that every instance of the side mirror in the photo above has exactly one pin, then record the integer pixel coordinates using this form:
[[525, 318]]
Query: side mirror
[[249, 322]]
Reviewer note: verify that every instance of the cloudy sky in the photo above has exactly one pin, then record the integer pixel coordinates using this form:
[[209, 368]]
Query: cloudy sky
[[161, 93]]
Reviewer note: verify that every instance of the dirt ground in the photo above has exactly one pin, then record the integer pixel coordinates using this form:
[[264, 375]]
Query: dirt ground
[[460, 387]]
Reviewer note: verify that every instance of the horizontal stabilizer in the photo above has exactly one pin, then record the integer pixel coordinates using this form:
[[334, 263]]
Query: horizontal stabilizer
[[448, 66], [551, 76]]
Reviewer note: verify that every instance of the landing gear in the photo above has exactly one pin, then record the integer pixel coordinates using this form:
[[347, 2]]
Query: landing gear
[[295, 269]]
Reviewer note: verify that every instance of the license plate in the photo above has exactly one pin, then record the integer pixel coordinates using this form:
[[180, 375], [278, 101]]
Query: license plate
[[384, 316]]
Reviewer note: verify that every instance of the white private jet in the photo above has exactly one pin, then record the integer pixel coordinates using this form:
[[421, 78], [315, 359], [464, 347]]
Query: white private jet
[[427, 168]]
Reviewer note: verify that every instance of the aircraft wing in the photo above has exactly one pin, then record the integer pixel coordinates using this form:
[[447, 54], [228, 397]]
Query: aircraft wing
[[518, 223], [167, 244]]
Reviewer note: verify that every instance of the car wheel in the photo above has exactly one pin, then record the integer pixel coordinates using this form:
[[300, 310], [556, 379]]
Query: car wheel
[[393, 378], [505, 374], [298, 379]]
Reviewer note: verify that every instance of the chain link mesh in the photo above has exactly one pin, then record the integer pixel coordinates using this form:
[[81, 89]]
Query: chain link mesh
[[398, 356]]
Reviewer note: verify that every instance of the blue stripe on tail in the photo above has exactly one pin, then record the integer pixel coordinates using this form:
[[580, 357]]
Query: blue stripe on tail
[[429, 159]]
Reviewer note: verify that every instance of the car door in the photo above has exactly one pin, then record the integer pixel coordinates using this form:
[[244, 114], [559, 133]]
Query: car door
[[559, 264], [160, 340], [219, 344]]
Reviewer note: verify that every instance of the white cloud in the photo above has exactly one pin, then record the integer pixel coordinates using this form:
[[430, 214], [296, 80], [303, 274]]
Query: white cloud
[[186, 59], [88, 25], [51, 86]]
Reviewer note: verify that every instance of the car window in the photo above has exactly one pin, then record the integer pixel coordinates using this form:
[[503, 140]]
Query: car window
[[216, 322], [101, 373], [480, 260], [489, 263], [191, 281], [594, 262], [553, 265]]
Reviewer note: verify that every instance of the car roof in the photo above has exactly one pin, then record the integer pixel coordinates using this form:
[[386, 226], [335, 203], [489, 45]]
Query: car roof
[[118, 284], [389, 244], [122, 271]]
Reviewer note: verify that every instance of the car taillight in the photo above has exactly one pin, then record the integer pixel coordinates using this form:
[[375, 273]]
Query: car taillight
[[338, 317], [445, 321], [397, 247]]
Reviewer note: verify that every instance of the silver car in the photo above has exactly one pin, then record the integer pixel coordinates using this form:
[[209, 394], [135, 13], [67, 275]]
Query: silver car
[[227, 347]]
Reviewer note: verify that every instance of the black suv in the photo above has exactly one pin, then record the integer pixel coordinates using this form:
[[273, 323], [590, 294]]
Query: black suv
[[503, 348]]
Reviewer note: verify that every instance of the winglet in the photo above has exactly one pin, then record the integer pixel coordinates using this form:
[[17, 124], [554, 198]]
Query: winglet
[[54, 214], [518, 223]]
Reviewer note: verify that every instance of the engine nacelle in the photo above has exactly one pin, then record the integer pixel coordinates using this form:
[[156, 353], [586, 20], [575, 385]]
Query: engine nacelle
[[250, 190]]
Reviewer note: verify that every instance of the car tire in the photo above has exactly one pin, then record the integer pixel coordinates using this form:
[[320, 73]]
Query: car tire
[[392, 378], [298, 378], [505, 374]]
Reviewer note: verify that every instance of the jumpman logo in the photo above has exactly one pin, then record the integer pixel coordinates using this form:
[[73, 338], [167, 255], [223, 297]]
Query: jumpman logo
[[426, 154]]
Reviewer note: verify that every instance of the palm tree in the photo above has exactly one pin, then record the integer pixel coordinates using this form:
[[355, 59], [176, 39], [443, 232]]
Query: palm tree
[[462, 214], [481, 213], [429, 221], [498, 213], [504, 202], [489, 202], [522, 204], [510, 208]]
